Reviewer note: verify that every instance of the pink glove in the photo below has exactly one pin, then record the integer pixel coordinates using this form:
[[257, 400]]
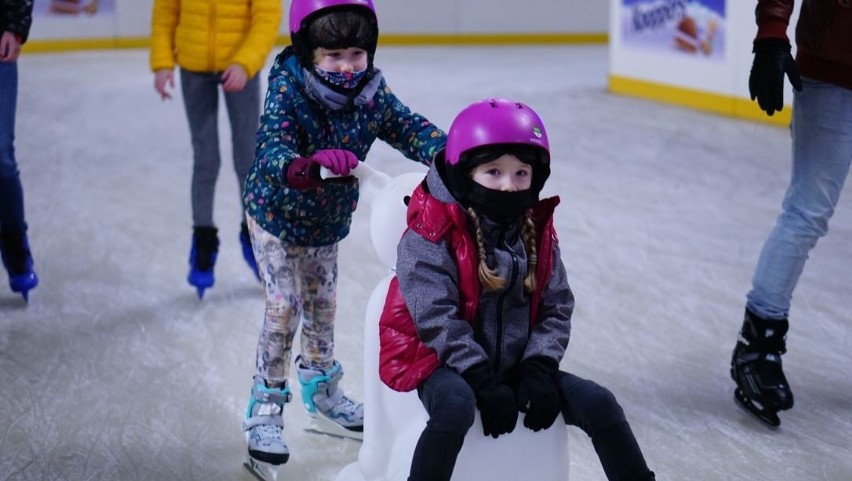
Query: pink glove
[[338, 161], [303, 174]]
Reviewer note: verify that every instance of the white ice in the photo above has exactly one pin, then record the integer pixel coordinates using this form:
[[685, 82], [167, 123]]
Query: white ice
[[116, 371]]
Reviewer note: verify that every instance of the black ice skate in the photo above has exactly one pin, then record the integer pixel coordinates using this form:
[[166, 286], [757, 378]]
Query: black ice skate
[[202, 258], [762, 388]]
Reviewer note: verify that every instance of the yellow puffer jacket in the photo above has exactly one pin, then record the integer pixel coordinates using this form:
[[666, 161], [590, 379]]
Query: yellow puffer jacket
[[210, 35]]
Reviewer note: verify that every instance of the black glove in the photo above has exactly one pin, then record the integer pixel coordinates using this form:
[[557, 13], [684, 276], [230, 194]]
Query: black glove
[[772, 60], [495, 400], [538, 393]]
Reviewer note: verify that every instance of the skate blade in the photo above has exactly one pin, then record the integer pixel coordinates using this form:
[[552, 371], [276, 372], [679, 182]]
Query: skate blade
[[321, 425], [768, 417], [262, 471]]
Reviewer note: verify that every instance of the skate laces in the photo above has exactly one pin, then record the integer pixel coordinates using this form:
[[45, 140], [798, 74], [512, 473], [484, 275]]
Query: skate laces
[[268, 432]]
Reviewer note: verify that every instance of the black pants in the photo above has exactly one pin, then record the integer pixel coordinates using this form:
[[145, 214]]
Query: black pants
[[451, 406]]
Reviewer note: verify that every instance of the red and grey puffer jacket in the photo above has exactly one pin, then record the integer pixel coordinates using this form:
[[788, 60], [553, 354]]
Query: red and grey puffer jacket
[[823, 36], [404, 361]]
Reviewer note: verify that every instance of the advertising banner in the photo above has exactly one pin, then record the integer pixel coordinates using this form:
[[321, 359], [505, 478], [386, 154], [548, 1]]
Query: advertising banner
[[681, 27], [73, 8]]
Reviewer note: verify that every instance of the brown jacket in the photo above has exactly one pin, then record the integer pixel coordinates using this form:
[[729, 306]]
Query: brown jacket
[[823, 36]]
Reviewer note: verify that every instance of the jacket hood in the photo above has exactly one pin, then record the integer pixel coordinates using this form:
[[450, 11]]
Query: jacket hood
[[287, 64], [436, 185]]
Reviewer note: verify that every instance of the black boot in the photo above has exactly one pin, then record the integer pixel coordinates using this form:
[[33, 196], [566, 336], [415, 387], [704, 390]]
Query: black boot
[[18, 261], [762, 388], [202, 258]]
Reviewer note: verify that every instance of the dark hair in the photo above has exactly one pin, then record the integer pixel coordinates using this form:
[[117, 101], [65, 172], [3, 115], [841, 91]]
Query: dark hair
[[344, 29], [337, 28]]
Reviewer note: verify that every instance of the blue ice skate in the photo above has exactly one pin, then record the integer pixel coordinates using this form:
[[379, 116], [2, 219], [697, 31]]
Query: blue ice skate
[[202, 258], [248, 253], [18, 261]]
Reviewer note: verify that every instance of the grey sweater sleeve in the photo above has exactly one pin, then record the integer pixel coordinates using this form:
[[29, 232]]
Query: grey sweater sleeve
[[550, 336], [428, 280]]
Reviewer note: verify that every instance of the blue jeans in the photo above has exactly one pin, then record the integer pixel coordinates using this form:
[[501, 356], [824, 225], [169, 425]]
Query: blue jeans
[[451, 405], [11, 192], [822, 150]]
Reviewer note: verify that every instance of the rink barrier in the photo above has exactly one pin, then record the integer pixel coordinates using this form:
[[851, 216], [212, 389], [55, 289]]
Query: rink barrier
[[387, 39], [726, 105]]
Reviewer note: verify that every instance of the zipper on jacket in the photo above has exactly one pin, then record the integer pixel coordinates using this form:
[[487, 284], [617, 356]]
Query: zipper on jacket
[[498, 352]]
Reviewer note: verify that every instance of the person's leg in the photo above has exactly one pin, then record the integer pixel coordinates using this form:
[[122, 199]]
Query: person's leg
[[319, 304], [244, 116], [822, 150], [594, 409], [201, 100], [331, 410], [451, 406], [270, 390], [281, 273], [14, 245], [11, 191]]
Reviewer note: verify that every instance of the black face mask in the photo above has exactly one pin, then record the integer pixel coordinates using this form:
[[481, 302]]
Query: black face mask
[[499, 206]]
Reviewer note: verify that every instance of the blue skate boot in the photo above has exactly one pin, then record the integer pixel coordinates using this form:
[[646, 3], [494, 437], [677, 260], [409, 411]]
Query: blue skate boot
[[248, 253], [330, 410], [202, 258], [18, 261], [264, 425]]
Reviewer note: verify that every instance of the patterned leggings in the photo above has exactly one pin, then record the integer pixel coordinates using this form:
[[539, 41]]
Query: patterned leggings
[[300, 284]]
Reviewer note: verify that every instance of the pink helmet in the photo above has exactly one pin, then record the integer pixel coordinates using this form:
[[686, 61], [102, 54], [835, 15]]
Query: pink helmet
[[494, 121], [496, 126], [302, 9]]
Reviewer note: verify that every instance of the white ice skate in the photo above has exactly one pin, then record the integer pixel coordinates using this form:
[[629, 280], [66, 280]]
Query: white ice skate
[[264, 426], [330, 410]]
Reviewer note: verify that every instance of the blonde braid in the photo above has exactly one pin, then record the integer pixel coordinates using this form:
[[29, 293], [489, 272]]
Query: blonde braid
[[487, 276], [528, 234]]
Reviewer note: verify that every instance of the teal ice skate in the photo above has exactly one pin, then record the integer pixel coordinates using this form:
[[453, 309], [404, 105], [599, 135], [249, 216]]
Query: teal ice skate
[[330, 410], [264, 425]]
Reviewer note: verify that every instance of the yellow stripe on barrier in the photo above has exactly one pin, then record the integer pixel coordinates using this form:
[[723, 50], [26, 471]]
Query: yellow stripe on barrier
[[717, 103], [391, 39]]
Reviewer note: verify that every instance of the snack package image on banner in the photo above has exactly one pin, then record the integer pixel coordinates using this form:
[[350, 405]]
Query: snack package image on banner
[[685, 27]]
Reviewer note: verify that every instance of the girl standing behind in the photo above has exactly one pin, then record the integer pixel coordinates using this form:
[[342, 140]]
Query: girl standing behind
[[326, 105]]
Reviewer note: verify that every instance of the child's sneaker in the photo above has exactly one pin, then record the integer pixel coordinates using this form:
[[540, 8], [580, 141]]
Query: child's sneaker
[[331, 411]]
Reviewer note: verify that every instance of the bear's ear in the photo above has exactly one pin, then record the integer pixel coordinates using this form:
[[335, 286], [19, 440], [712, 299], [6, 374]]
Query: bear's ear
[[388, 210]]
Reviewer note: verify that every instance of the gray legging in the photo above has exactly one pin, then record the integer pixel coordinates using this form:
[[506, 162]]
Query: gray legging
[[201, 100]]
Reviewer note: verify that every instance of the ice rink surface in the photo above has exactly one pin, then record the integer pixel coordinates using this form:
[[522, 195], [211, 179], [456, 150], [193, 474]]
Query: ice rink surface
[[116, 371]]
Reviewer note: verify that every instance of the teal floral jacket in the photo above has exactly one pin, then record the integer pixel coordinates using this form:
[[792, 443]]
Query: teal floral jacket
[[295, 125]]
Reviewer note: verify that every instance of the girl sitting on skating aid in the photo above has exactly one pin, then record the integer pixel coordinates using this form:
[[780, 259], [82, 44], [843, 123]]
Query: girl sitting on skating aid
[[479, 314]]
